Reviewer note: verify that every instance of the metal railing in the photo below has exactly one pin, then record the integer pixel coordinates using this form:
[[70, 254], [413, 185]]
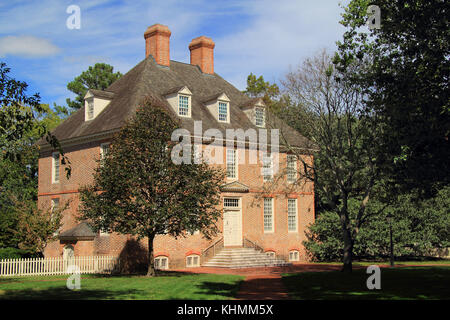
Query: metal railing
[[250, 244], [212, 250]]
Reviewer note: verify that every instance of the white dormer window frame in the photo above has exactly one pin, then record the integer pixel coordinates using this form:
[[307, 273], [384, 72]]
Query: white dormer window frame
[[184, 105], [219, 107], [90, 111], [95, 103], [181, 102], [223, 111], [260, 119]]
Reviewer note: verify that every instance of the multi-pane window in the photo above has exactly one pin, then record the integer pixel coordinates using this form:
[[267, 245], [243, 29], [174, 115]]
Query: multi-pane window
[[231, 164], [291, 168], [270, 254], [193, 261], [104, 149], [268, 215], [161, 263], [293, 255], [223, 111], [231, 203], [292, 215], [183, 105], [54, 207], [90, 108], [267, 166], [55, 167], [259, 117]]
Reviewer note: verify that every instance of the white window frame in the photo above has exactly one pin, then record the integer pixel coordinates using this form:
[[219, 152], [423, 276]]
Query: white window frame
[[271, 254], [272, 219], [263, 111], [190, 261], [90, 108], [158, 263], [267, 166], [103, 147], [291, 168], [235, 164], [188, 115], [292, 214], [54, 205], [294, 255], [56, 163], [227, 105]]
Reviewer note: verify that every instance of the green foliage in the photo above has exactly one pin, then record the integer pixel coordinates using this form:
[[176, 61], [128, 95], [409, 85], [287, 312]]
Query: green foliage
[[419, 227], [99, 77], [407, 85], [257, 87], [12, 253], [23, 121], [329, 110], [138, 190]]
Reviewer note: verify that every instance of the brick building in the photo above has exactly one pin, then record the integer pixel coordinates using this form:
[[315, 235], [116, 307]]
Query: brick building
[[257, 211]]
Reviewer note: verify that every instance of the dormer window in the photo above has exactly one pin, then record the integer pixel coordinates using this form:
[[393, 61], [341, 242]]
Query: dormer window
[[255, 109], [223, 111], [219, 106], [259, 117], [95, 101], [180, 99], [183, 105]]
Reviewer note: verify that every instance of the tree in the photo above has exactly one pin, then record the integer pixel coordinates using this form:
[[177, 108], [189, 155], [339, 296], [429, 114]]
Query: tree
[[258, 88], [406, 81], [99, 77], [420, 227], [19, 176], [139, 190], [36, 227], [330, 111], [18, 112]]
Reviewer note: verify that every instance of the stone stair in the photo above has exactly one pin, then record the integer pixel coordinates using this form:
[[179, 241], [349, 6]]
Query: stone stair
[[243, 258]]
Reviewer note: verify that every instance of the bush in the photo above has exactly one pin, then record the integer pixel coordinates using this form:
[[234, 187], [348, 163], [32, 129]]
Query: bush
[[419, 229], [12, 253]]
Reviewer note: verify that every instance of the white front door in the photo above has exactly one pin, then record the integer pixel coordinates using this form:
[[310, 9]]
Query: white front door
[[232, 226]]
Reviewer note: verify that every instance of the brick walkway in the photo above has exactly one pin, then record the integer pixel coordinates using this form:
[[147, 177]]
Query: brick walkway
[[263, 283]]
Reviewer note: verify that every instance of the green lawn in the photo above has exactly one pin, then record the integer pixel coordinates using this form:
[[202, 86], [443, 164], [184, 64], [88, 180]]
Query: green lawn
[[164, 287], [396, 284]]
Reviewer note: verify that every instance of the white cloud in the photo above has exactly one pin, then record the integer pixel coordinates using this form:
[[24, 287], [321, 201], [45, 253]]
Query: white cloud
[[26, 46]]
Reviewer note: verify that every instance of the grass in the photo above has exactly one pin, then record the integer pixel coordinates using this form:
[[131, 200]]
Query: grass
[[168, 286], [396, 284]]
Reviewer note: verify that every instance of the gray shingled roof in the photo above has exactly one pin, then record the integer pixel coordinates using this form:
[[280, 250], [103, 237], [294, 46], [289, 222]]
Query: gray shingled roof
[[150, 80]]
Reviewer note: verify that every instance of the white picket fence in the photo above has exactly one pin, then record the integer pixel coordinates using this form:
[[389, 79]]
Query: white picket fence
[[59, 265]]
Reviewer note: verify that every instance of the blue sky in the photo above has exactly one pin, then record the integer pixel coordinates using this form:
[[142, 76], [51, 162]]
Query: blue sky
[[259, 36]]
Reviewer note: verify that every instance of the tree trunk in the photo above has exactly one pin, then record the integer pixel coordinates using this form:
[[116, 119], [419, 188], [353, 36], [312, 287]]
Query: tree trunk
[[347, 235], [348, 252], [151, 261]]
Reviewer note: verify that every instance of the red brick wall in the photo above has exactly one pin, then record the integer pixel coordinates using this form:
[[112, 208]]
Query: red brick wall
[[83, 161]]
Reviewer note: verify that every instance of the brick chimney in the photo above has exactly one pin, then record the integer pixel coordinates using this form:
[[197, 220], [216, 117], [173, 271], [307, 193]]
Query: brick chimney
[[202, 53], [157, 38]]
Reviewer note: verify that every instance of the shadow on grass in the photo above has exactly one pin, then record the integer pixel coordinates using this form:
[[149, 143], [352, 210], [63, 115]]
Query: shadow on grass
[[62, 293], [396, 284], [220, 290]]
